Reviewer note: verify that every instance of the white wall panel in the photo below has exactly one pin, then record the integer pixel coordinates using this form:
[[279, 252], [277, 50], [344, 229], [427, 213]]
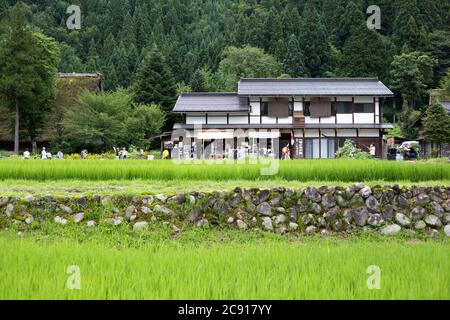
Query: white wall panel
[[364, 118], [298, 106], [195, 120], [217, 119], [287, 120], [311, 133], [328, 120], [238, 119], [344, 118], [327, 132], [255, 108], [377, 112], [346, 133], [309, 120], [363, 99], [268, 120], [369, 133]]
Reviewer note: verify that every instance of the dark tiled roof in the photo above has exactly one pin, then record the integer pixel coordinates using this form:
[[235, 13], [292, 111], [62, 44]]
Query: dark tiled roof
[[313, 87], [210, 102]]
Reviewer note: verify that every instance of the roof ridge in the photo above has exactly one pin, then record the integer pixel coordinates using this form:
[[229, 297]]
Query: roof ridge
[[208, 93]]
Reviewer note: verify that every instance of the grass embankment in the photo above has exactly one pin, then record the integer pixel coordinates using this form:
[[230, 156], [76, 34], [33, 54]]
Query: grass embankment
[[116, 264], [22, 188], [305, 170]]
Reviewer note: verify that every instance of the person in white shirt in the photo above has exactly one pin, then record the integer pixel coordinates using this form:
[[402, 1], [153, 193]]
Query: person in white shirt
[[60, 155], [124, 153], [372, 150], [26, 155], [43, 154]]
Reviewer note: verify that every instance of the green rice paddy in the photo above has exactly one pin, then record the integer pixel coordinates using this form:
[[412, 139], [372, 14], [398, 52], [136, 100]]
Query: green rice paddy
[[36, 266], [119, 263], [305, 170]]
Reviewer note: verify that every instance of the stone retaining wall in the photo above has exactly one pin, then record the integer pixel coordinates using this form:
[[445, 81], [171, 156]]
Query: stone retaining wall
[[387, 209]]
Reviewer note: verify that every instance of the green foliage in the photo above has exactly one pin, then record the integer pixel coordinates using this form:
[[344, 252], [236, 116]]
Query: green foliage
[[445, 85], [247, 62], [350, 21], [436, 124], [315, 42], [100, 122], [143, 123], [198, 81], [350, 151], [307, 38], [395, 132], [365, 54], [411, 74], [438, 47], [293, 58], [154, 82], [28, 66]]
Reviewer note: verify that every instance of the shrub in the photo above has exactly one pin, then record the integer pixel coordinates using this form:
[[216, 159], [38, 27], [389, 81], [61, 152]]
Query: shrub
[[350, 151]]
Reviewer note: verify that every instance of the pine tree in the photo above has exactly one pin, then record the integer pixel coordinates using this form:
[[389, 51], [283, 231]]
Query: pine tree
[[365, 54], [436, 124], [315, 41], [154, 83], [414, 37], [351, 20], [406, 9], [198, 82], [69, 60], [28, 65], [294, 64], [93, 60], [121, 63]]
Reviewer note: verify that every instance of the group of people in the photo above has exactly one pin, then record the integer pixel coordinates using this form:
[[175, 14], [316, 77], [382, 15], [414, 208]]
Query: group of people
[[45, 155], [121, 154]]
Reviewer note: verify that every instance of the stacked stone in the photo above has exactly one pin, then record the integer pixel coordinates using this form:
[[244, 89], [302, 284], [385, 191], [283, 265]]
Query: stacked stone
[[387, 209]]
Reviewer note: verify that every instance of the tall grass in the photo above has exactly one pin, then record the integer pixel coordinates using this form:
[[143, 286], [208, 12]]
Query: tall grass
[[305, 170], [259, 270]]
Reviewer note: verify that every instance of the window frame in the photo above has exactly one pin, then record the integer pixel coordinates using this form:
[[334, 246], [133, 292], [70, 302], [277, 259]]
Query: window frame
[[306, 108], [345, 104], [264, 108], [365, 104]]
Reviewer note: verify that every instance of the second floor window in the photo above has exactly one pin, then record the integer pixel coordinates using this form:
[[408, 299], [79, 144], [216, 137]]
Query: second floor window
[[265, 108], [343, 107], [364, 108], [306, 108]]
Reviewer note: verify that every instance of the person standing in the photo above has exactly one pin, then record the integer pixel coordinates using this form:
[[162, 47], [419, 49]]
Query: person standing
[[43, 154], [124, 154], [117, 151], [372, 151], [26, 155]]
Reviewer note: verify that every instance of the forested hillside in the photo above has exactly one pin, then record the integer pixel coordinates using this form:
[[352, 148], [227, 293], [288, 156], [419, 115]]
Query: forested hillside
[[305, 37]]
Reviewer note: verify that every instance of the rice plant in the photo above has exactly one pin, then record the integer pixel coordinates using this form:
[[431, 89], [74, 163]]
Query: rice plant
[[305, 170], [319, 269]]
